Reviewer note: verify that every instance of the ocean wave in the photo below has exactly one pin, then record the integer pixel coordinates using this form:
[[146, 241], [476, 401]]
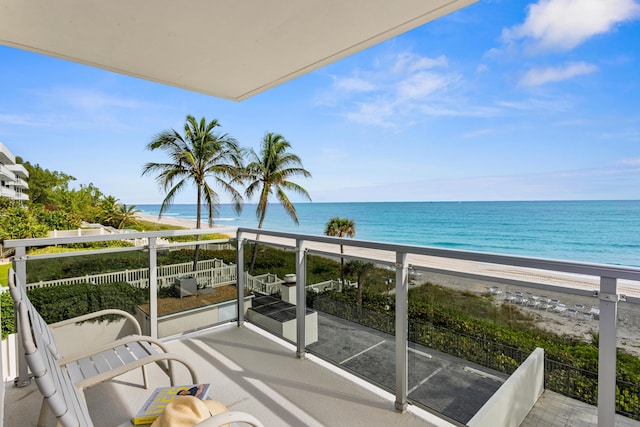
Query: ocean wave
[[225, 219]]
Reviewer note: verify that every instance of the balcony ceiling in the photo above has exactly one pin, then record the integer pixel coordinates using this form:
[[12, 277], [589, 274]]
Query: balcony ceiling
[[226, 48]]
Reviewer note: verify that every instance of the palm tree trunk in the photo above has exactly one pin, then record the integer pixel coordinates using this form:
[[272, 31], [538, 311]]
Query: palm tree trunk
[[342, 266], [255, 246], [359, 296], [196, 253]]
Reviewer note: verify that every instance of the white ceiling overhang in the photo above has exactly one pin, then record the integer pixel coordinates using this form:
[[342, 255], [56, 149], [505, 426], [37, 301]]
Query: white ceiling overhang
[[231, 49]]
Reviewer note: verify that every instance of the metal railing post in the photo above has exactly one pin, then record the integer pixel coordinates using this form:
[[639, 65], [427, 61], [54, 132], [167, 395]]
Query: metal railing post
[[607, 352], [153, 287], [402, 328], [301, 299], [240, 278], [20, 266]]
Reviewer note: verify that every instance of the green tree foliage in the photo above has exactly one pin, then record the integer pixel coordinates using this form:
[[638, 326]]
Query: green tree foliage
[[45, 185], [199, 154], [359, 270], [82, 204], [115, 214], [7, 313], [127, 215], [340, 227], [270, 171], [195, 156], [18, 222], [55, 220], [108, 211]]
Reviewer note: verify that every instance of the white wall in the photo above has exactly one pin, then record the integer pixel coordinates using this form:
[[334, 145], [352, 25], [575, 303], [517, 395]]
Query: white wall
[[512, 402]]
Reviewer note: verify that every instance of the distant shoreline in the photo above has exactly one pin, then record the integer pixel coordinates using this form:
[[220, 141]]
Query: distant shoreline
[[186, 223]]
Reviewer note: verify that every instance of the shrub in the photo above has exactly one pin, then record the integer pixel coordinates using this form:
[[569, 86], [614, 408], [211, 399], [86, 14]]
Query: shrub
[[66, 301], [7, 314]]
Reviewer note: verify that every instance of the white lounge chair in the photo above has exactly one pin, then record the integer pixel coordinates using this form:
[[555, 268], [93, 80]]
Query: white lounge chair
[[560, 308], [95, 365], [62, 397]]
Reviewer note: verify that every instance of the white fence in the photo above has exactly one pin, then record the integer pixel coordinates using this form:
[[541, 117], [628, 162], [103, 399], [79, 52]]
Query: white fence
[[209, 272], [335, 285], [265, 283]]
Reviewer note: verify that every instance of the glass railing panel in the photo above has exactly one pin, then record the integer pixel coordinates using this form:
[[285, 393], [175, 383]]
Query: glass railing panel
[[74, 284], [71, 263], [355, 316], [187, 299], [456, 361], [628, 360], [270, 279], [196, 284]]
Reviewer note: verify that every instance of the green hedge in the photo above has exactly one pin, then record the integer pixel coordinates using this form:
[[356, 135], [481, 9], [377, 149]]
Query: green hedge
[[8, 317], [66, 301]]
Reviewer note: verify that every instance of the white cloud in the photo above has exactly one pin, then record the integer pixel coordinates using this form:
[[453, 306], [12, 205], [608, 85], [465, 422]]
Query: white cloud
[[479, 133], [540, 76], [16, 119], [632, 162], [354, 84], [90, 99], [409, 62], [565, 24], [400, 90], [423, 84]]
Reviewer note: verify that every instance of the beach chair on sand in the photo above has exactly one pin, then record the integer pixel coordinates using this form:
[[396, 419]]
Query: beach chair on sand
[[545, 302], [534, 302], [494, 290], [594, 313], [560, 308], [553, 303], [509, 297]]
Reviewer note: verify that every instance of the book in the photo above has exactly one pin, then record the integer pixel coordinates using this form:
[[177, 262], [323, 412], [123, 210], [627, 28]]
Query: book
[[160, 398]]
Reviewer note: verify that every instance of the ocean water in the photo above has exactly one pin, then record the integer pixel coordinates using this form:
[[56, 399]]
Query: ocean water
[[589, 231]]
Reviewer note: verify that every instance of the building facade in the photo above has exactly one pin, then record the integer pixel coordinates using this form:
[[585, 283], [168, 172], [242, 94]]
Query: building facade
[[13, 176]]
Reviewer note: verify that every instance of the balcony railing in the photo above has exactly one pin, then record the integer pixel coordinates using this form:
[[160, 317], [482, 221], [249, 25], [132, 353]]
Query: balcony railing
[[607, 286], [20, 183], [6, 174]]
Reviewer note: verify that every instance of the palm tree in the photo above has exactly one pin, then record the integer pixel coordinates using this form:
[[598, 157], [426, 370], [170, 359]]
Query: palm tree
[[269, 172], [108, 211], [341, 227], [126, 214], [198, 154], [360, 270]]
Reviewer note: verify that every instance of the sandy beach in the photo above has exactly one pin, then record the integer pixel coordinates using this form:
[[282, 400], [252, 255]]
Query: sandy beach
[[186, 223], [553, 285]]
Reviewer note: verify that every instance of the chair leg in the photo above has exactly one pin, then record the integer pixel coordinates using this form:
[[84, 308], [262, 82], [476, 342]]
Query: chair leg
[[171, 371], [44, 414], [144, 377]]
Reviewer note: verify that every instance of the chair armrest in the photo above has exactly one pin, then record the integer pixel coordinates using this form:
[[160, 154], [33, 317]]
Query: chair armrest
[[128, 317], [230, 417]]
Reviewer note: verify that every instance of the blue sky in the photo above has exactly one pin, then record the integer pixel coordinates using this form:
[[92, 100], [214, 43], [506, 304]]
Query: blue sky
[[503, 100]]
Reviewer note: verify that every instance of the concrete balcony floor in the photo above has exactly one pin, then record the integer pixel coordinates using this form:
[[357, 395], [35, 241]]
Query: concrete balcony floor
[[252, 371], [249, 372]]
